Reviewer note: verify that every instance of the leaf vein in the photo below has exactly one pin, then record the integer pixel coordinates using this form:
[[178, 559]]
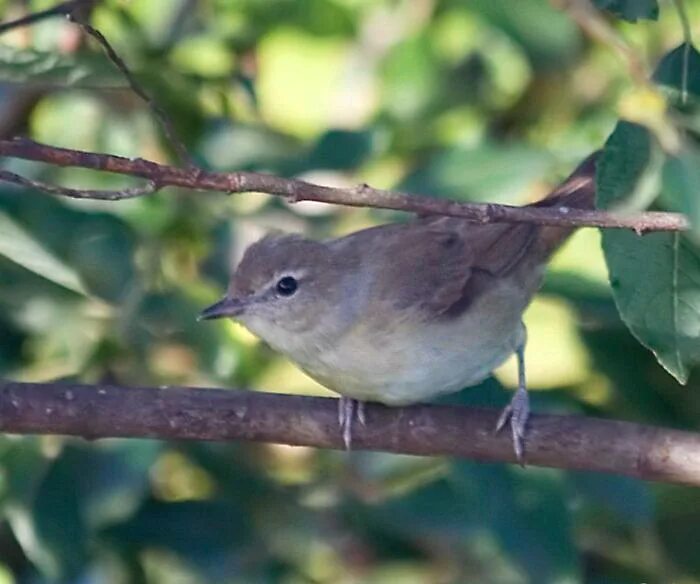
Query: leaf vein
[[675, 300]]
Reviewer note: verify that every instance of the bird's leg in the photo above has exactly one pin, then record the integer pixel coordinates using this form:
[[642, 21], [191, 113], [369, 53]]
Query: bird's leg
[[517, 412], [348, 409]]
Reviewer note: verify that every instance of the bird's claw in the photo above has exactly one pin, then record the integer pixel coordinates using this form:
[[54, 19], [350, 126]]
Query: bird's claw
[[516, 414], [348, 410]]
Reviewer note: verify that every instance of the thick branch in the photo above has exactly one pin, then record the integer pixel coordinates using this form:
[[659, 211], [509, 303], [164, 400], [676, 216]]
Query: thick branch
[[569, 442], [360, 196]]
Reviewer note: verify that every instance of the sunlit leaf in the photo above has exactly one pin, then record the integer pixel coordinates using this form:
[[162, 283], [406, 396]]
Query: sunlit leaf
[[286, 56], [20, 247], [204, 55]]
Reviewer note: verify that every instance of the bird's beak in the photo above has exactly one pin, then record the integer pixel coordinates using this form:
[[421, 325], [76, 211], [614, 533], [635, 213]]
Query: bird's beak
[[230, 307]]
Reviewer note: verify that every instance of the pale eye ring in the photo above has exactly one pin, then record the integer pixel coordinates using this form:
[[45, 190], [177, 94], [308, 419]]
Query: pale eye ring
[[287, 286]]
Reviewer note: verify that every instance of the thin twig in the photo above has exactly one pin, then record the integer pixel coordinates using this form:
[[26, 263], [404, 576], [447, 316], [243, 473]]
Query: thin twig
[[571, 442], [360, 196], [76, 11], [63, 9], [100, 195], [162, 117]]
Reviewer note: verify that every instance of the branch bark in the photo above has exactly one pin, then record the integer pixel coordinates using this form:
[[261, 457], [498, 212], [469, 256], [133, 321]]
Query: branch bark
[[192, 177], [568, 442], [295, 190]]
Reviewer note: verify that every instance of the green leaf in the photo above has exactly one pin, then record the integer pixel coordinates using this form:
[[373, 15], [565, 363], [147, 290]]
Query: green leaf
[[24, 467], [524, 513], [60, 547], [341, 150], [655, 279], [476, 174], [20, 247], [681, 181], [113, 479], [244, 147], [677, 525], [411, 77], [680, 69], [629, 173], [44, 509], [630, 10], [626, 364], [548, 37], [207, 534], [203, 55], [54, 68], [628, 499], [528, 516]]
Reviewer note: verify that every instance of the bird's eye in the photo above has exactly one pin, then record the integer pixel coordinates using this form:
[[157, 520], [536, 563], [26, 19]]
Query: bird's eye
[[287, 286]]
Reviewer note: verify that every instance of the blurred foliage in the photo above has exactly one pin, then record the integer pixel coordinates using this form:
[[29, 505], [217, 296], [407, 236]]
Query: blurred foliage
[[476, 100]]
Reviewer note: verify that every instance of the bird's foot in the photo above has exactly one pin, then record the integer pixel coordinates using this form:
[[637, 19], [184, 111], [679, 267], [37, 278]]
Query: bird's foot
[[516, 414], [348, 410]]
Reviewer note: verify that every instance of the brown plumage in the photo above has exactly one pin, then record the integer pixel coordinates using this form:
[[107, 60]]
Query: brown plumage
[[402, 312]]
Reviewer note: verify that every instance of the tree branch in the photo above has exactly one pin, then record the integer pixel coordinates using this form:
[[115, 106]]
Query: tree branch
[[568, 442], [360, 196]]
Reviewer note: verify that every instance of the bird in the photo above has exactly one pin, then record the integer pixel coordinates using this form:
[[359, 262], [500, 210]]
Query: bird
[[403, 312]]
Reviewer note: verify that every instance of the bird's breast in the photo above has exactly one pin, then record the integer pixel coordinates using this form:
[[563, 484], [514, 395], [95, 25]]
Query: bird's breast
[[398, 360]]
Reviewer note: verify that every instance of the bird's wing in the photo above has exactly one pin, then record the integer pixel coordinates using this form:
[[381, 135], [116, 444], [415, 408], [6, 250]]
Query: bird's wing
[[439, 266]]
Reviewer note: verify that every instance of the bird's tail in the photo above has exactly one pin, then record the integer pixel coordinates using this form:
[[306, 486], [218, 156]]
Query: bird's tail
[[576, 192]]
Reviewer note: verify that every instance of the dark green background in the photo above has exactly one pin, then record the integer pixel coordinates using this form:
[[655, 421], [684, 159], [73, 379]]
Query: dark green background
[[482, 100]]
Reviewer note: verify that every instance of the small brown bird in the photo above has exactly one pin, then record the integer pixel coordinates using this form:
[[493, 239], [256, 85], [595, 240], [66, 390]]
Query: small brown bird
[[401, 313]]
